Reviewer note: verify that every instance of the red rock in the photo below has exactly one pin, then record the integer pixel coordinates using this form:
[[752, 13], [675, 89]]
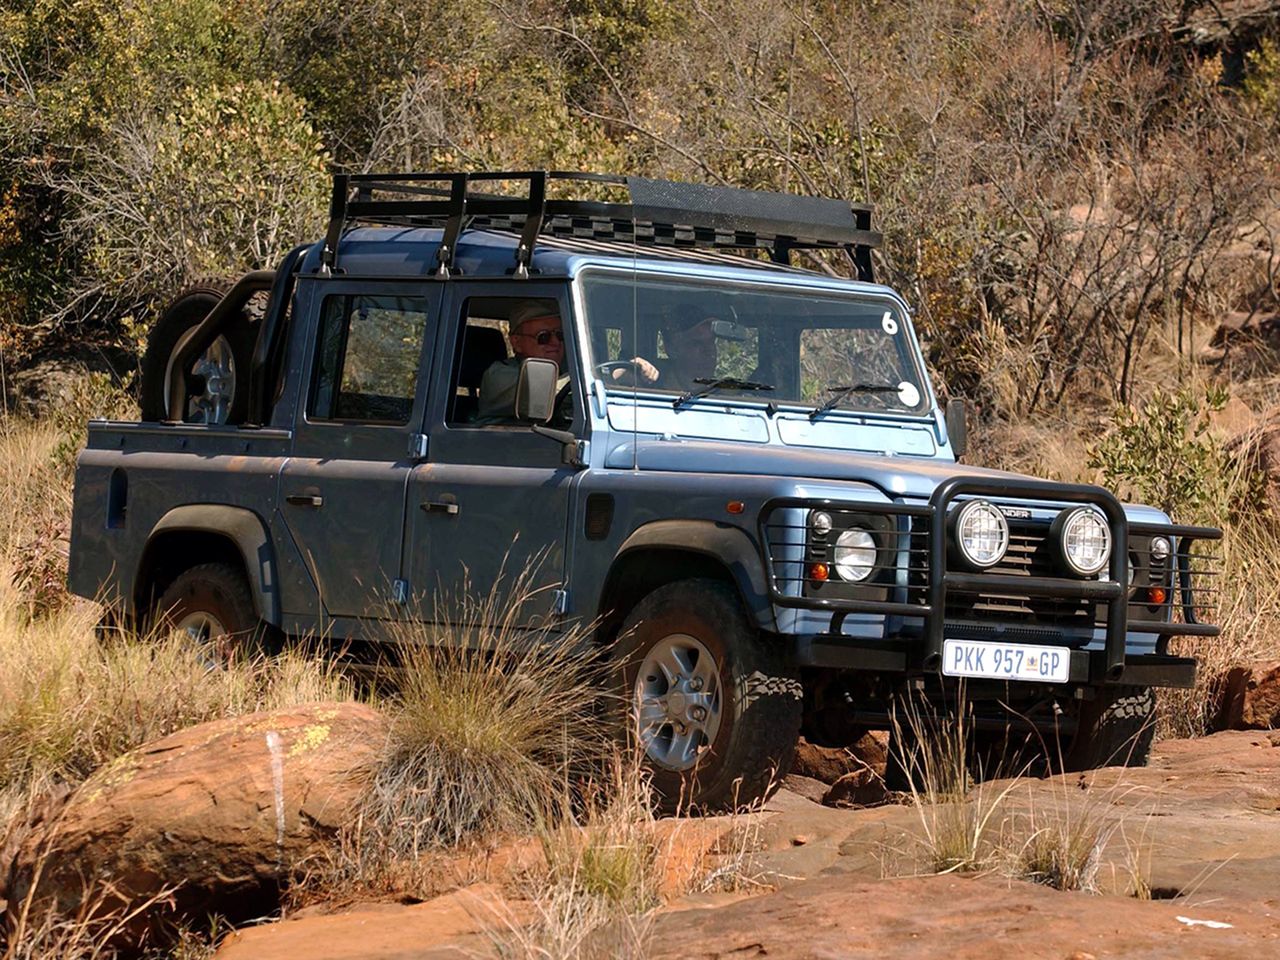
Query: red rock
[[922, 918], [454, 925], [857, 790], [225, 811], [829, 764], [1250, 697]]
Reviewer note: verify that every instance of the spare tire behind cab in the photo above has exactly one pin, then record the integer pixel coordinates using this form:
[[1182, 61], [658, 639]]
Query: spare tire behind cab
[[218, 379]]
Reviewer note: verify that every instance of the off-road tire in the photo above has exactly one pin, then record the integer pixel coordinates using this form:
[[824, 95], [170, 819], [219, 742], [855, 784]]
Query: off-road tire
[[761, 695], [183, 313], [1115, 729], [221, 591]]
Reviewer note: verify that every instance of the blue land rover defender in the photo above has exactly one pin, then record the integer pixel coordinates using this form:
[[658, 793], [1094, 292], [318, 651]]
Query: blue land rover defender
[[735, 470]]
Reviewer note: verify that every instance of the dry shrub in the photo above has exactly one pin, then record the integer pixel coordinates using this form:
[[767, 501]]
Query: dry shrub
[[488, 724], [73, 698]]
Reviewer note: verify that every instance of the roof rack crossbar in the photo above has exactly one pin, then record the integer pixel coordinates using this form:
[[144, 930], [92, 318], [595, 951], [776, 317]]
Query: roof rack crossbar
[[658, 212]]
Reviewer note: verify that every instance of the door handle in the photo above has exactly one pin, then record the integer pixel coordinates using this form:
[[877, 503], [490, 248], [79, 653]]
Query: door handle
[[440, 506], [305, 500]]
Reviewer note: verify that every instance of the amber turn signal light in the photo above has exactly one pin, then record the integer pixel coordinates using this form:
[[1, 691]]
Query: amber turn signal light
[[735, 506], [819, 571], [1157, 595]]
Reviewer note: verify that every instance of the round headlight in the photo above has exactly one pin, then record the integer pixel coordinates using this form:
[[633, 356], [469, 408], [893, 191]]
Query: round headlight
[[822, 523], [1159, 548], [982, 533], [854, 555], [1086, 541]]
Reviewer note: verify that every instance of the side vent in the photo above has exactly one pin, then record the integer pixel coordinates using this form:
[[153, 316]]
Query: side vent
[[599, 515], [117, 499]]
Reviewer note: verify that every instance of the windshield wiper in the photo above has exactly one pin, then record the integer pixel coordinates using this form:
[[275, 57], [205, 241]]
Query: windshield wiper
[[841, 393], [712, 384]]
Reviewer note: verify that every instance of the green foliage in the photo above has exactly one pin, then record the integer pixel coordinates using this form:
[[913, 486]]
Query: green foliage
[[1262, 85], [1163, 454], [228, 181]]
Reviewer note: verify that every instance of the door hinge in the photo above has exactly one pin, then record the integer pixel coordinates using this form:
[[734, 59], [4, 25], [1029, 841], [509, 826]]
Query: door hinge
[[560, 602], [400, 591], [417, 446]]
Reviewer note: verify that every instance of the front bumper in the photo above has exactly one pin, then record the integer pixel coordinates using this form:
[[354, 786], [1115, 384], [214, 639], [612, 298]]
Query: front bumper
[[919, 617]]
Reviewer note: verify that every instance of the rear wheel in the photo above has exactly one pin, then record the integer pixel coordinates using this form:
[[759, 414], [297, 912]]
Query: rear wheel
[[715, 706], [211, 606], [218, 379]]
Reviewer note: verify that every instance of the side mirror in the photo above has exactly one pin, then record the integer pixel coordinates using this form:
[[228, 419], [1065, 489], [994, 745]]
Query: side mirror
[[957, 427], [536, 390]]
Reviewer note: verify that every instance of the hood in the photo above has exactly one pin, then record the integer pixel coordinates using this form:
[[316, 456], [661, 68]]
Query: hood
[[905, 477], [896, 476]]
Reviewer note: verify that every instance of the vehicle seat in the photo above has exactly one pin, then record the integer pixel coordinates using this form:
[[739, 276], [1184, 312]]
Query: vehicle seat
[[481, 347]]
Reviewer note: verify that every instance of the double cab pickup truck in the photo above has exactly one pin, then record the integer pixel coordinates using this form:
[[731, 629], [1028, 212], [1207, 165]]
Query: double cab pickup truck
[[735, 472]]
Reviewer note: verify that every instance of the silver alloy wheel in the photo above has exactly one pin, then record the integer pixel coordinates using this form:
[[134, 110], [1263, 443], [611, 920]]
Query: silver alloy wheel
[[217, 365], [204, 631], [678, 701]]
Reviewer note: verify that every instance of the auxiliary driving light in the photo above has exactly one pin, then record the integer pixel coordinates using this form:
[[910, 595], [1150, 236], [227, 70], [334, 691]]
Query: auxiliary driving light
[[1085, 541], [854, 554], [982, 533]]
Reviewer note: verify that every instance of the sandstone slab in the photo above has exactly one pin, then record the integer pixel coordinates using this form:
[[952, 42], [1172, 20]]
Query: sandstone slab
[[219, 815]]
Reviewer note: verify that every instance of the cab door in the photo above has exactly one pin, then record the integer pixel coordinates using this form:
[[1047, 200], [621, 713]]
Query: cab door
[[489, 509], [343, 490]]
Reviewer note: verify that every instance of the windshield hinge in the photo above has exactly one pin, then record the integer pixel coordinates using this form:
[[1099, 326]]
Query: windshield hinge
[[417, 446]]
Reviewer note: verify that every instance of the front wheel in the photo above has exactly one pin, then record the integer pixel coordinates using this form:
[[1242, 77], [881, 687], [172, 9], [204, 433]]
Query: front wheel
[[715, 706], [1115, 729]]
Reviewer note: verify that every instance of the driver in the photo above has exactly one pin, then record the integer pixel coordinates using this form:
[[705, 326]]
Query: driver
[[535, 332], [692, 353]]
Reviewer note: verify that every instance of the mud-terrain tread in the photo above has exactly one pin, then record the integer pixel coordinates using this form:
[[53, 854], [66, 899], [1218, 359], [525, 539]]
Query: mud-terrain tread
[[762, 748], [228, 588], [1116, 729], [179, 317]]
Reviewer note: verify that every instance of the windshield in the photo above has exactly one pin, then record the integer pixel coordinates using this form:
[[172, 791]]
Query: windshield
[[814, 348]]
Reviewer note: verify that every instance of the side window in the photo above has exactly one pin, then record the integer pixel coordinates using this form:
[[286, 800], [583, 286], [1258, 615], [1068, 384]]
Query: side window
[[497, 333], [367, 358]]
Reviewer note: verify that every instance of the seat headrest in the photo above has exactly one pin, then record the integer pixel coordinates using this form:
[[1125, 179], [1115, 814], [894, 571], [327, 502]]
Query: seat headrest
[[481, 347]]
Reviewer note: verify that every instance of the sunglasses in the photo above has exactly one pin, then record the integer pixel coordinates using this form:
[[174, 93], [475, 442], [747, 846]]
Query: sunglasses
[[543, 337]]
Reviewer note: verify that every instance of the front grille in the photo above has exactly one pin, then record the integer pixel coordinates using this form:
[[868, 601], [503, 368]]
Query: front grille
[[1030, 554]]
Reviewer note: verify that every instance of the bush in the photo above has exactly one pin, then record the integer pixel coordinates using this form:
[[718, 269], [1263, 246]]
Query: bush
[[1162, 454]]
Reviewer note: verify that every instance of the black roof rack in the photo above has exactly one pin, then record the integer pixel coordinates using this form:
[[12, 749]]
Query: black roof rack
[[659, 212]]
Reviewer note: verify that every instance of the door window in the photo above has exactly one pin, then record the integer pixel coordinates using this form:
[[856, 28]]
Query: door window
[[367, 358]]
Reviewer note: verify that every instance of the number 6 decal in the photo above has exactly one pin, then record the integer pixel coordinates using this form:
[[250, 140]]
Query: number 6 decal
[[889, 324]]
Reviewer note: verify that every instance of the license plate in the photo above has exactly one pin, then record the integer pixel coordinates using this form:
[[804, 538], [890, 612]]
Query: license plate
[[1005, 661]]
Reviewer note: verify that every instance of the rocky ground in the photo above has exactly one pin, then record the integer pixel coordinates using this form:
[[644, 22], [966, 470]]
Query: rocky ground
[[1201, 825]]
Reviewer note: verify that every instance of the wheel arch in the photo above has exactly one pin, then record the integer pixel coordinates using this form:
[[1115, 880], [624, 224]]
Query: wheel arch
[[201, 533], [669, 550]]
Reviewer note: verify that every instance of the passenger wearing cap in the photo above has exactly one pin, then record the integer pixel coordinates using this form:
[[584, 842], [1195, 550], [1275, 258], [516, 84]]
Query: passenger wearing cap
[[535, 332]]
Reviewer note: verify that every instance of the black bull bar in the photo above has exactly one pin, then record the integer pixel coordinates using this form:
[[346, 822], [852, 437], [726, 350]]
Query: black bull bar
[[924, 652]]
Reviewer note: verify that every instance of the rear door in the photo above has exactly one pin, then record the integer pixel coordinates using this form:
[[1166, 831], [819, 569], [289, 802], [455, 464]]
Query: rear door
[[343, 490]]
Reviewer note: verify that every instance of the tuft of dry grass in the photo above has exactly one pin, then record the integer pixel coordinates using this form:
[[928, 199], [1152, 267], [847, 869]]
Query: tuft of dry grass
[[488, 722], [933, 748]]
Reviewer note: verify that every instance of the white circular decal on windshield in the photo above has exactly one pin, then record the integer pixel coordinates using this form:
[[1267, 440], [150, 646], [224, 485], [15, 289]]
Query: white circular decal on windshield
[[889, 324], [908, 395]]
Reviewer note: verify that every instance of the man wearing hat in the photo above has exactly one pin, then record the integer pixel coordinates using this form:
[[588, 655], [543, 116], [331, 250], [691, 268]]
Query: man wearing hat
[[535, 332]]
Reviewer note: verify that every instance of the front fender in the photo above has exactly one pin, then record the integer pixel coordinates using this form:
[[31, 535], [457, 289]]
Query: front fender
[[724, 543]]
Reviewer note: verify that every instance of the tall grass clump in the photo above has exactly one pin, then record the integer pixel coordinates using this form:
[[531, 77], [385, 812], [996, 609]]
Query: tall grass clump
[[489, 723], [934, 752]]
